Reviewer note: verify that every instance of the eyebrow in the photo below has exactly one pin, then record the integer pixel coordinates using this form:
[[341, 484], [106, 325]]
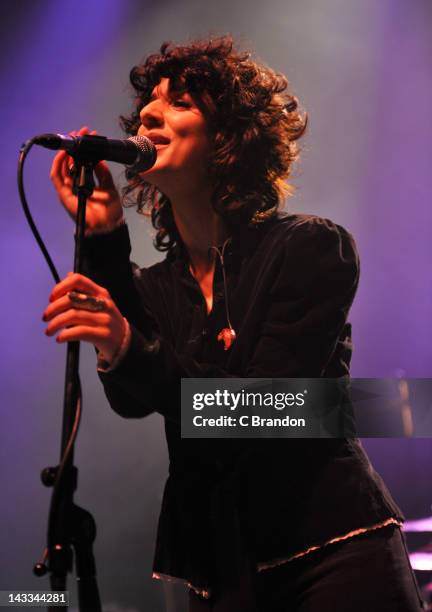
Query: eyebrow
[[171, 92]]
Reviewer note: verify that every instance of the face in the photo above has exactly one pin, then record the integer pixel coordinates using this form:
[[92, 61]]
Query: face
[[175, 124]]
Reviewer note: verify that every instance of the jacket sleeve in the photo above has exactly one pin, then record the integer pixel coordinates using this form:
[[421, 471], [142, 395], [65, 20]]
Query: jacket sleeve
[[308, 303], [309, 299]]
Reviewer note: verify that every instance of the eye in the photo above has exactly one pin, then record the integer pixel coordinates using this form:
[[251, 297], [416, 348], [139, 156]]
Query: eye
[[181, 102]]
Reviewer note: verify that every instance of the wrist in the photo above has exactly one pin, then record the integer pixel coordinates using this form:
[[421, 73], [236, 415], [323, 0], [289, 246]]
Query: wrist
[[106, 365], [105, 229]]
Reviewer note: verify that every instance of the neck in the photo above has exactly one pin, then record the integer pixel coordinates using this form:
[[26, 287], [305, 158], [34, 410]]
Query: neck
[[200, 228]]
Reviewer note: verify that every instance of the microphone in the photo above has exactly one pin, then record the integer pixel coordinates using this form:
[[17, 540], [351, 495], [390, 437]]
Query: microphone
[[138, 153]]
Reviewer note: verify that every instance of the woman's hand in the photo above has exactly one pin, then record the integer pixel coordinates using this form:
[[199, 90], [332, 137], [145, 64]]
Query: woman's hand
[[98, 321], [104, 209]]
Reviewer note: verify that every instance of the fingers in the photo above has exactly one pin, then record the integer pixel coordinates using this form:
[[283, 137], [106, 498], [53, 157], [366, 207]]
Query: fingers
[[59, 174], [79, 282], [103, 173], [62, 162], [65, 303], [104, 207], [75, 317], [62, 181], [104, 176], [101, 197], [57, 165], [84, 333], [56, 308]]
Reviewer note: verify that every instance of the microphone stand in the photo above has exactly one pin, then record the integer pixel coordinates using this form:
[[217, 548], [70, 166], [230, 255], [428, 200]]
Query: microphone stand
[[69, 526]]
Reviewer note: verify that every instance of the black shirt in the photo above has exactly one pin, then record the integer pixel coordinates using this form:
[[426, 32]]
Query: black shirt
[[290, 284]]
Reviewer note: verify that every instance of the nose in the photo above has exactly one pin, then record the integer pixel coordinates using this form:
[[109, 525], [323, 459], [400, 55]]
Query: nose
[[151, 115]]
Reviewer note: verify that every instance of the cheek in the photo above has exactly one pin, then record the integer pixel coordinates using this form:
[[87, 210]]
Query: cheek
[[191, 132], [193, 146], [201, 147]]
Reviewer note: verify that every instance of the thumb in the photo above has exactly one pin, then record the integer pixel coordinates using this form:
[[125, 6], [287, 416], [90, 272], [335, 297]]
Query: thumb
[[104, 176]]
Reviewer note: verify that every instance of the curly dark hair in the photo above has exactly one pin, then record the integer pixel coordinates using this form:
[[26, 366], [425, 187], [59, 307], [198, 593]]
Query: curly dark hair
[[253, 123]]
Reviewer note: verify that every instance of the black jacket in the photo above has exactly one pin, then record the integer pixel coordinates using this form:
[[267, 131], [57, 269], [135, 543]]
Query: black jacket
[[290, 284]]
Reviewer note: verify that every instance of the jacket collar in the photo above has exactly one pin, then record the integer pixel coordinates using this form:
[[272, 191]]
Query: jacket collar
[[242, 240]]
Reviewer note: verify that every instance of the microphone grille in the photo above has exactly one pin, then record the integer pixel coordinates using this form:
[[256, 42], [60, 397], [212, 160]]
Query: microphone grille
[[147, 156]]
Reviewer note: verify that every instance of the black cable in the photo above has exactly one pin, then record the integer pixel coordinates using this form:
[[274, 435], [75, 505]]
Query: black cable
[[22, 156], [69, 446]]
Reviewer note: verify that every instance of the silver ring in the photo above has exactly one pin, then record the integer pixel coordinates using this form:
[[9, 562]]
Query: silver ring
[[87, 302]]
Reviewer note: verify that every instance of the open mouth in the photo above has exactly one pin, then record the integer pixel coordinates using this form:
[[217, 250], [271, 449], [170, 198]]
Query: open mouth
[[158, 139]]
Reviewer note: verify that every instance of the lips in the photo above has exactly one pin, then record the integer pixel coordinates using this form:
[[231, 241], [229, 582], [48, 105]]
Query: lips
[[157, 139]]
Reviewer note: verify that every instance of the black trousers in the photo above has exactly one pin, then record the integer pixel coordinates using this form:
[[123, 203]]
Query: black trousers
[[368, 573]]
